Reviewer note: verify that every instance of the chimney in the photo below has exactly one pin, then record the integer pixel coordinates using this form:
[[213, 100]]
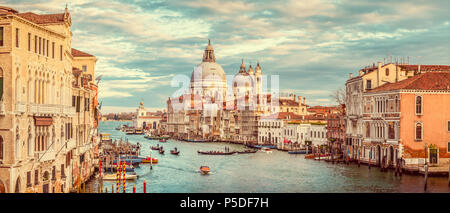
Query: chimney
[[295, 97], [304, 101], [351, 75], [361, 72]]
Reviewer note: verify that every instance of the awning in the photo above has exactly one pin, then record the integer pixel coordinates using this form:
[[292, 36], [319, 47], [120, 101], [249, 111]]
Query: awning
[[43, 121]]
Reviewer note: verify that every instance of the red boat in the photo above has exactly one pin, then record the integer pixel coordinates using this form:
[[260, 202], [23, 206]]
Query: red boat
[[174, 152], [204, 170]]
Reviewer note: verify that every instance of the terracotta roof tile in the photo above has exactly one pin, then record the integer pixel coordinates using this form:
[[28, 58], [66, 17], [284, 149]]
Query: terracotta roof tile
[[423, 81], [43, 19], [411, 67], [78, 53]]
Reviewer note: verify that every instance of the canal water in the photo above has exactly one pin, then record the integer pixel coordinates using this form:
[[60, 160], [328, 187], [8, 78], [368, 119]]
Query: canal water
[[259, 172]]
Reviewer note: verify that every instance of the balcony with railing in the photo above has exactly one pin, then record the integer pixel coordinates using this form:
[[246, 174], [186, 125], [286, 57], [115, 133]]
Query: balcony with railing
[[51, 109], [45, 155], [20, 108]]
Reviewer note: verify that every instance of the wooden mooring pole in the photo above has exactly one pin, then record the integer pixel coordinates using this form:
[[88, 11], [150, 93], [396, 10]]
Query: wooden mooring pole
[[426, 177], [145, 187], [449, 173]]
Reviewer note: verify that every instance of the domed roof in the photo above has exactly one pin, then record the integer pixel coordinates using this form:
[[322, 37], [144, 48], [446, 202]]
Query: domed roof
[[208, 71], [242, 77]]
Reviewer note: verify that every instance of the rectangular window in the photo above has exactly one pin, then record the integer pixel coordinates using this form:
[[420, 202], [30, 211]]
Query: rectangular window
[[391, 130], [54, 173], [43, 46], [369, 84], [84, 68], [448, 147], [53, 49], [17, 37], [63, 174], [418, 105], [40, 41], [60, 52], [36, 177], [29, 41], [1, 36], [78, 104], [73, 101], [28, 179], [47, 48], [448, 125], [35, 44]]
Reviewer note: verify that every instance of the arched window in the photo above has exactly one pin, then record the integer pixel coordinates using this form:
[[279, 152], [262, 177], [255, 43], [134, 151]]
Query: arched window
[[1, 84], [1, 148], [387, 71], [419, 131], [418, 105], [17, 149], [368, 129]]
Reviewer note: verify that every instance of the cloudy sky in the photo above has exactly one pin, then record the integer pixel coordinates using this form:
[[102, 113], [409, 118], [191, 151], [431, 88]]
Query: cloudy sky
[[312, 45]]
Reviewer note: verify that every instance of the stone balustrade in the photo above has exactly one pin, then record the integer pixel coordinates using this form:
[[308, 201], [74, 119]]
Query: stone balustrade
[[20, 108], [51, 109]]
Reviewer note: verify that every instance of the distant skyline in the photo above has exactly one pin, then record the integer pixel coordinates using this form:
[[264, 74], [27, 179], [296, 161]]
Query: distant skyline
[[312, 45]]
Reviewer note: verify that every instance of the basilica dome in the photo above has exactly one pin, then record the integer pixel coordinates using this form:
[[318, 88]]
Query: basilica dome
[[208, 78]]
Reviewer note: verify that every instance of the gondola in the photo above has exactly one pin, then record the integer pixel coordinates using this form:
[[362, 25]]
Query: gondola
[[155, 147], [161, 151], [174, 152], [215, 153], [247, 151]]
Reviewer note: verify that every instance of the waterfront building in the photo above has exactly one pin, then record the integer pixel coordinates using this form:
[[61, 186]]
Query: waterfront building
[[271, 127], [336, 129], [147, 120], [409, 120], [369, 78], [41, 130]]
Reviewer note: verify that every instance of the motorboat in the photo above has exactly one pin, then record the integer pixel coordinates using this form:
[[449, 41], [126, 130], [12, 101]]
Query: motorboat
[[204, 170], [114, 177], [150, 160], [266, 149]]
